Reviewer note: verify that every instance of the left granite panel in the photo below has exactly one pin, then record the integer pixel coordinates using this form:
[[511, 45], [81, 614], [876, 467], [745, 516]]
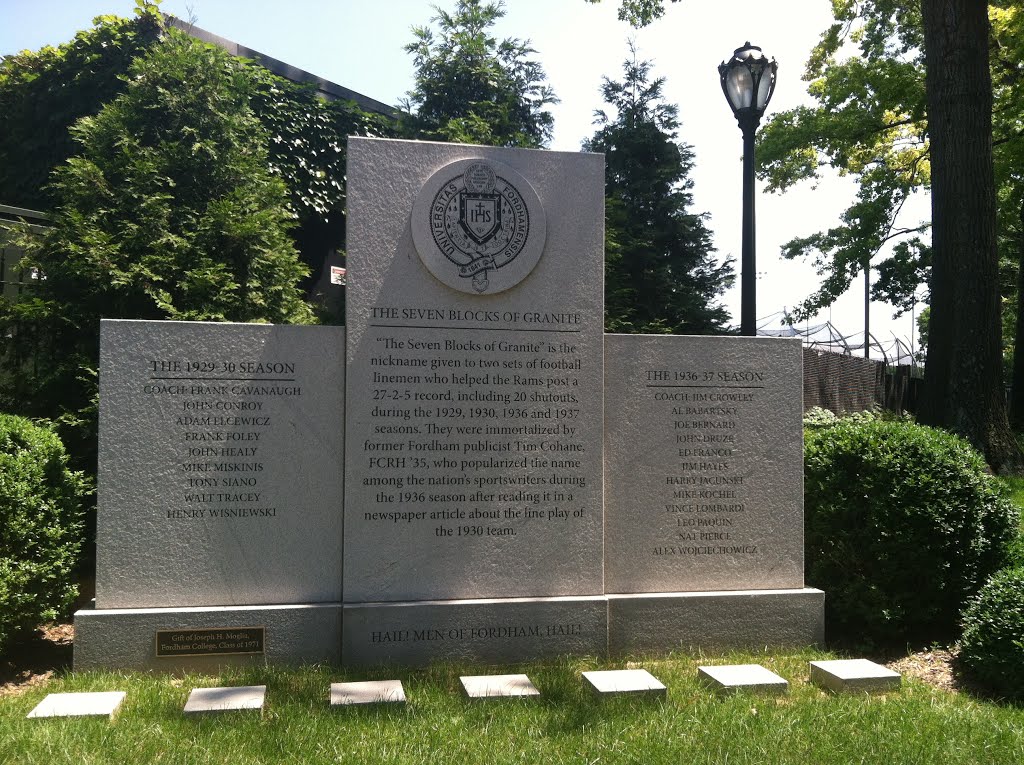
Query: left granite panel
[[220, 466]]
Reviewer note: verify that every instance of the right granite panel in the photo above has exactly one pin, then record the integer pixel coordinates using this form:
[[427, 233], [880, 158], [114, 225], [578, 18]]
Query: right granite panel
[[703, 463]]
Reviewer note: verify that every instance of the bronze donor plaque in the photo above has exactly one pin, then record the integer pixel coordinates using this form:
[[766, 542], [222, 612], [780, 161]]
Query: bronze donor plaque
[[209, 641]]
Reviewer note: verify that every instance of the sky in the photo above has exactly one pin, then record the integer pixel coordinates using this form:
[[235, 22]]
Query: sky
[[359, 44]]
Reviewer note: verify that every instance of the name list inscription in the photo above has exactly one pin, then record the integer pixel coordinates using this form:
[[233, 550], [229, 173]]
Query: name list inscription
[[708, 484], [475, 434], [225, 414]]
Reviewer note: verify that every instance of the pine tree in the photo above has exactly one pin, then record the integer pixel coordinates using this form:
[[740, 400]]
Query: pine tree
[[660, 272], [469, 88]]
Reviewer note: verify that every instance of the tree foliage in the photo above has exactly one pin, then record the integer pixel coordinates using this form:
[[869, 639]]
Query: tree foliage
[[169, 211], [660, 273], [640, 13], [308, 150], [1007, 53], [43, 93], [470, 88], [307, 141], [869, 122]]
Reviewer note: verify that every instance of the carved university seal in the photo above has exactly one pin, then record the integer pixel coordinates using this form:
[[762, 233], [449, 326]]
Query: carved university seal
[[480, 222], [480, 218]]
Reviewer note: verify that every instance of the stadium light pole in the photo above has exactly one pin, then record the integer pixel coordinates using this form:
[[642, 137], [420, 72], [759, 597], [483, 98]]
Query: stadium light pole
[[748, 81]]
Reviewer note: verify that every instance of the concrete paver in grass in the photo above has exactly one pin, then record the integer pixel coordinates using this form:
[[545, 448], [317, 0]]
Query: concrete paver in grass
[[99, 704], [854, 675], [731, 678], [497, 686], [636, 682], [367, 692], [203, 700]]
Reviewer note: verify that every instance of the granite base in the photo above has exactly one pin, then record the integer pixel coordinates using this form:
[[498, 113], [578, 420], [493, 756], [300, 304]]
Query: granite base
[[126, 638]]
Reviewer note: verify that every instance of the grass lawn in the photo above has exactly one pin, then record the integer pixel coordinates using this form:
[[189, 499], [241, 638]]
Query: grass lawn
[[918, 724], [1015, 486]]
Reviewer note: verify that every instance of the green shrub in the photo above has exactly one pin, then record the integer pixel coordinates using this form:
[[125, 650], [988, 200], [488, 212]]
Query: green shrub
[[992, 647], [817, 417], [40, 526], [903, 525]]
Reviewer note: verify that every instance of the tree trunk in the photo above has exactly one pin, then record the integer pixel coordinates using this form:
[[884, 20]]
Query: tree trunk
[[963, 373], [1017, 385]]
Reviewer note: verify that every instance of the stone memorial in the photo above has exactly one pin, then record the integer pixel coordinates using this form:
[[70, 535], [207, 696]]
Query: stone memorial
[[513, 484], [474, 388], [219, 529]]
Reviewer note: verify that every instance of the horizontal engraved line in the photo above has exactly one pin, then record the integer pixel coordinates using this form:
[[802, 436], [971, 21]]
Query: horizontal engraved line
[[477, 329], [715, 387], [234, 379]]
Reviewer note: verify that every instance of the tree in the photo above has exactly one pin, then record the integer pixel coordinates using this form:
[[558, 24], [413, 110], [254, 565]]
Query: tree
[[173, 202], [870, 123], [964, 367], [879, 119], [660, 273], [640, 13], [308, 150], [169, 211], [905, 121], [469, 88], [43, 93], [876, 119]]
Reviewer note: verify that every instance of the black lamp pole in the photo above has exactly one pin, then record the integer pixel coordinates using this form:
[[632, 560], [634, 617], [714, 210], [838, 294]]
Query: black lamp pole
[[748, 281], [748, 81]]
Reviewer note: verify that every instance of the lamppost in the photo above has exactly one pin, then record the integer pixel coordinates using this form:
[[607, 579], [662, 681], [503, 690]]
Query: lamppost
[[748, 81]]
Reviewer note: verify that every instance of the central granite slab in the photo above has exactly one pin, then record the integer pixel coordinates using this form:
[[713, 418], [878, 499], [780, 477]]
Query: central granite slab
[[474, 375], [475, 388]]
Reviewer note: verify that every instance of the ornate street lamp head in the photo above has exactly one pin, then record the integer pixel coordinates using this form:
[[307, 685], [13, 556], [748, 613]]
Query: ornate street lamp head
[[748, 81]]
